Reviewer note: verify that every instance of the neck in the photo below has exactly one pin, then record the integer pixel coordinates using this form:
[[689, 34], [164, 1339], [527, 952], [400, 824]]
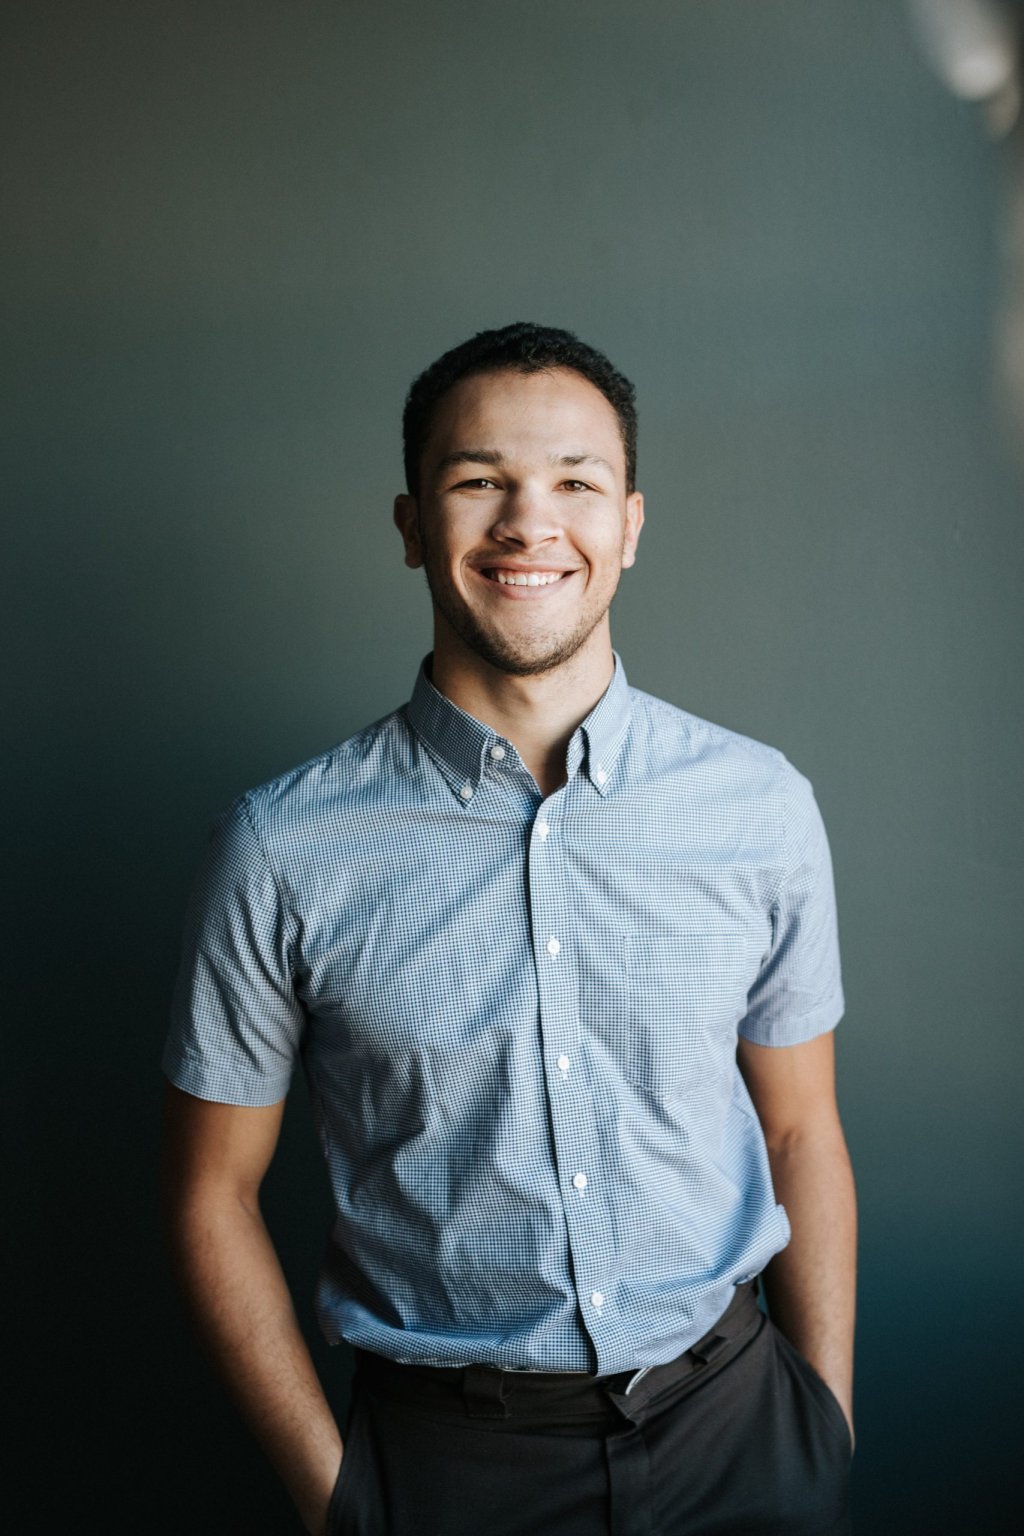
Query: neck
[[538, 714]]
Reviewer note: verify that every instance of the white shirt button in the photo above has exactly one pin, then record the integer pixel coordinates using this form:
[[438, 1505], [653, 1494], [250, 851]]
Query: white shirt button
[[601, 776], [466, 791], [579, 1181], [553, 946], [597, 1298], [563, 1063], [542, 829], [497, 752]]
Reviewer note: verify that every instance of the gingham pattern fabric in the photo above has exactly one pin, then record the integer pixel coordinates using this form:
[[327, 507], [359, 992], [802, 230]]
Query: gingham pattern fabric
[[518, 1018]]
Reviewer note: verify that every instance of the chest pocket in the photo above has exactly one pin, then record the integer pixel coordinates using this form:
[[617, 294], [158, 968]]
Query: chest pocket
[[686, 995]]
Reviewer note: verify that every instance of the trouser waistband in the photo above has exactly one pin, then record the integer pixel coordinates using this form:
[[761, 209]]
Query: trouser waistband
[[488, 1391]]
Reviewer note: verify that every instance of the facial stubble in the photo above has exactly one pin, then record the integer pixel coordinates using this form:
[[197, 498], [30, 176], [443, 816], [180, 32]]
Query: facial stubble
[[497, 650]]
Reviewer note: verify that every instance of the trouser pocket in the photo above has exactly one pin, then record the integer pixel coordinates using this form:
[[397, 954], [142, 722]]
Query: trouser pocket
[[820, 1394], [338, 1511]]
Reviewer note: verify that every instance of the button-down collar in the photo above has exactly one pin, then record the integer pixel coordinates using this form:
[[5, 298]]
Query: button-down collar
[[605, 730], [462, 746]]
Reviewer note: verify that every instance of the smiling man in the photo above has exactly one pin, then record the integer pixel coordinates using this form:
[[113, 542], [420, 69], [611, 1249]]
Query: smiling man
[[523, 543], [560, 963]]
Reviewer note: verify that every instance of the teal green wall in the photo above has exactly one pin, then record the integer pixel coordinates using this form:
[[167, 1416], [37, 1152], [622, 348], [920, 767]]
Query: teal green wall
[[239, 230]]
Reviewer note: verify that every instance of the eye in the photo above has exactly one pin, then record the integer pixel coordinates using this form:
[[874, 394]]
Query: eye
[[472, 485], [577, 485]]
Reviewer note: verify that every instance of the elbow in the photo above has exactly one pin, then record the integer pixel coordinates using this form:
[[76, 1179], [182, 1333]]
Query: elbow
[[820, 1137]]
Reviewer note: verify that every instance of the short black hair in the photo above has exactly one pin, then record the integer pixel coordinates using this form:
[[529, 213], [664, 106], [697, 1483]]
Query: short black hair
[[525, 348]]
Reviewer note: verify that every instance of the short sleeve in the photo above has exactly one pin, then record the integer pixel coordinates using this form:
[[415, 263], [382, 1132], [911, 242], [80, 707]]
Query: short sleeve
[[236, 1023], [798, 992]]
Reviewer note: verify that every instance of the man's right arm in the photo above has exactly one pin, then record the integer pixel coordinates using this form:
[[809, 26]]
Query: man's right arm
[[214, 1160]]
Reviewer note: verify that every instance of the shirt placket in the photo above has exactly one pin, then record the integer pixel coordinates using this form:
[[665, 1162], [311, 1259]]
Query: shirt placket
[[571, 1104]]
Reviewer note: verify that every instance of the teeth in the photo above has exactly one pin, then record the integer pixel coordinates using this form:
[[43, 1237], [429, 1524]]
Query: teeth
[[533, 579]]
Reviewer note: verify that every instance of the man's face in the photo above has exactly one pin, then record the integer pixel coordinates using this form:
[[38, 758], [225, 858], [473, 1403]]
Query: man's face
[[522, 524]]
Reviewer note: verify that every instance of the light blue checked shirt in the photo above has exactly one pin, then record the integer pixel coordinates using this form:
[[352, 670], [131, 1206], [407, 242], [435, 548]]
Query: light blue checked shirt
[[518, 1018]]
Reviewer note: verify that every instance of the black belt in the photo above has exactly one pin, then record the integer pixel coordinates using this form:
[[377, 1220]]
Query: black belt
[[491, 1392]]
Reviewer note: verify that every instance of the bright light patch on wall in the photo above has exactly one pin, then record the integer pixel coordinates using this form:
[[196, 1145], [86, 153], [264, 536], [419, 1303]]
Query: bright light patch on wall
[[971, 44]]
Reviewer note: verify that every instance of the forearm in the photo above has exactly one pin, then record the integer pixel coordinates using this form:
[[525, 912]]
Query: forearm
[[232, 1281], [811, 1284]]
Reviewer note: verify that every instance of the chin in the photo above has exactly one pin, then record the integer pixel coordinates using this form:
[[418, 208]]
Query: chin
[[521, 662], [501, 651]]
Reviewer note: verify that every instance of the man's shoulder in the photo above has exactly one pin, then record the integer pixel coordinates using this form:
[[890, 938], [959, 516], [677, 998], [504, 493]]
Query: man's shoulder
[[727, 776], [327, 779], [678, 731]]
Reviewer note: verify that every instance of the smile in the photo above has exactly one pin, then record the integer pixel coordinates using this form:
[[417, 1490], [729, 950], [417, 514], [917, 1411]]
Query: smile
[[510, 578]]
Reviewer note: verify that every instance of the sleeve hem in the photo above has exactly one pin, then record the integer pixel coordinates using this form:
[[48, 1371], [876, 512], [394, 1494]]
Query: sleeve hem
[[193, 1078], [795, 1031]]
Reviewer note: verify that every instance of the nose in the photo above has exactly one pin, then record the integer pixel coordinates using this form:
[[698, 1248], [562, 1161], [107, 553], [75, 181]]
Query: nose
[[527, 519]]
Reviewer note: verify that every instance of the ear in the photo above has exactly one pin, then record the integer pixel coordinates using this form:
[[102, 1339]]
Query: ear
[[634, 522], [407, 521]]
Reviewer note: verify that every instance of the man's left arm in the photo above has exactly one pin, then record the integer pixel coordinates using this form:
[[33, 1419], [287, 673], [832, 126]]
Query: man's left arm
[[811, 1284]]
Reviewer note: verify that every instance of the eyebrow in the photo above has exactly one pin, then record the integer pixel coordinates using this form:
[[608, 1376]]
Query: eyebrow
[[492, 457]]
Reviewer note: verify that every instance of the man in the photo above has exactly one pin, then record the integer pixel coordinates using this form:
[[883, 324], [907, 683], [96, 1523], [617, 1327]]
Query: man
[[560, 961]]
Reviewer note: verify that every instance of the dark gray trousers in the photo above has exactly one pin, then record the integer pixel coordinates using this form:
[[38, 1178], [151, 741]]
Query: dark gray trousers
[[738, 1437]]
